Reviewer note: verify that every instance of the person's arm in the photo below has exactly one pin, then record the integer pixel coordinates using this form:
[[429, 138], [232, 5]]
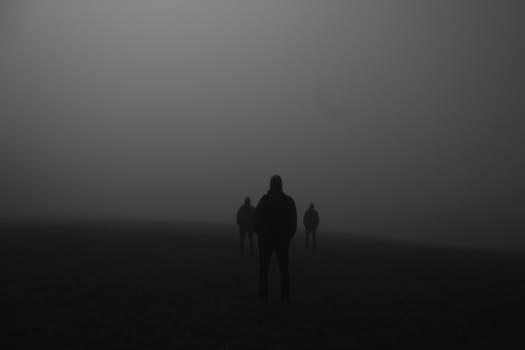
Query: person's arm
[[252, 218], [305, 218], [293, 218], [239, 216], [257, 217]]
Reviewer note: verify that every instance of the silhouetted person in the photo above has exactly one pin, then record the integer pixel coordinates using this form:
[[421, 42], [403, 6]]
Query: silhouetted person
[[245, 216], [275, 225], [311, 222]]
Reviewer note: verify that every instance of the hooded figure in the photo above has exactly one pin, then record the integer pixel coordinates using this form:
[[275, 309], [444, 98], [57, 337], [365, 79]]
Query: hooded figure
[[245, 216], [275, 225], [311, 222]]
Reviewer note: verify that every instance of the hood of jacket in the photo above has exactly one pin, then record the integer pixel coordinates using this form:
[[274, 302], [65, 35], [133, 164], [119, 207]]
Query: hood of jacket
[[276, 185]]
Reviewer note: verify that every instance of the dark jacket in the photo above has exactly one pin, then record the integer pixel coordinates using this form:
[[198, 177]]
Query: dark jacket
[[245, 217], [311, 219], [276, 215]]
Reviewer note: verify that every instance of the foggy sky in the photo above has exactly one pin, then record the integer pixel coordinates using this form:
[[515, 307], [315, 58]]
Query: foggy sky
[[403, 118]]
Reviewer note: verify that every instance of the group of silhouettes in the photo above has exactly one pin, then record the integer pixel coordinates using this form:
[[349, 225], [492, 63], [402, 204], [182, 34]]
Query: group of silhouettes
[[274, 221]]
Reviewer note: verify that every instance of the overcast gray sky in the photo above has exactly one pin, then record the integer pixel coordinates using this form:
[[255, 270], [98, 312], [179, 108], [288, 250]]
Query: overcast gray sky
[[401, 118]]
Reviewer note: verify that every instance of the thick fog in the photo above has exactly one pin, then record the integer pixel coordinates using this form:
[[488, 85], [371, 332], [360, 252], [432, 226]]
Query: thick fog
[[402, 119]]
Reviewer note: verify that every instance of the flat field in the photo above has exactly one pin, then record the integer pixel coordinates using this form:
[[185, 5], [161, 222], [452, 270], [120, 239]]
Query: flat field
[[185, 286]]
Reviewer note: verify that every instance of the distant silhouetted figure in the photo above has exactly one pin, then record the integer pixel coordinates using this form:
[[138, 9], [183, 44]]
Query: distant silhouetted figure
[[311, 222], [275, 225], [245, 216]]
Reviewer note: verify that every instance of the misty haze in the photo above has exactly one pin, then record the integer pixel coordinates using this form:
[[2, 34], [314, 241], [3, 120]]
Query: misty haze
[[403, 121]]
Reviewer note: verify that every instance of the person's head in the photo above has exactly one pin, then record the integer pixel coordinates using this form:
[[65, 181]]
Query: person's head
[[311, 205], [247, 201], [276, 184]]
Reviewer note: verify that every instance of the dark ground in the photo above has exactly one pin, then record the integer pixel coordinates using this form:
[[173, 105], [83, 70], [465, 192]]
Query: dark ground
[[144, 286]]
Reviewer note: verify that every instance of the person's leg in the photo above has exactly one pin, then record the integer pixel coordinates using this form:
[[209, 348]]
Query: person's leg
[[241, 240], [250, 238], [265, 254], [314, 239], [282, 255], [307, 237]]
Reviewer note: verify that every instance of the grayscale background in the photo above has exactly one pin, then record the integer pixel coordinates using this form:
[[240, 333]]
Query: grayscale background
[[402, 119]]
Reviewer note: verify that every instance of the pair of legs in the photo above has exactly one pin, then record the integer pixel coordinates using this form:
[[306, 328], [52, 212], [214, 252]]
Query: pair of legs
[[243, 234], [313, 232], [266, 248]]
